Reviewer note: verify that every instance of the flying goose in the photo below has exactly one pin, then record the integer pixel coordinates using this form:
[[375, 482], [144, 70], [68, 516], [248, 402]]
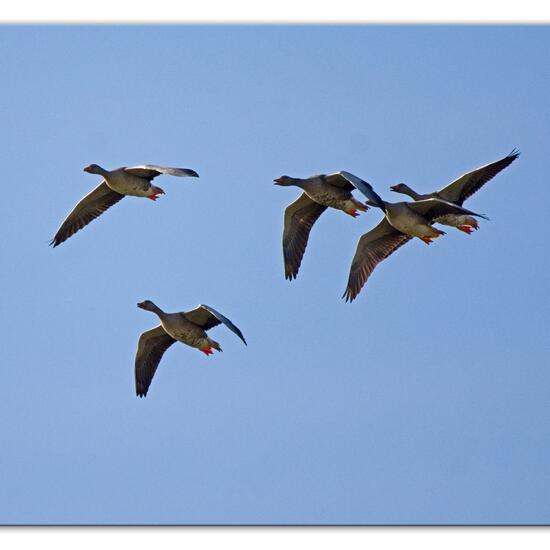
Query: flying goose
[[115, 185], [461, 189], [320, 192], [402, 222], [188, 327]]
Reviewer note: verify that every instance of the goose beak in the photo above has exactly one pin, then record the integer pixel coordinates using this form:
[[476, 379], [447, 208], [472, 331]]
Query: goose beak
[[88, 169], [141, 305], [393, 187], [278, 181]]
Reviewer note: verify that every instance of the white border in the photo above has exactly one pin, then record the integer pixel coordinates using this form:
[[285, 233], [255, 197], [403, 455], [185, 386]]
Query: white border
[[254, 538], [280, 11]]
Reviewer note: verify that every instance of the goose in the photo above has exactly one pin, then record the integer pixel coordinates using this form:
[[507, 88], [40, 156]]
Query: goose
[[188, 327], [320, 192], [402, 222], [116, 184], [461, 189]]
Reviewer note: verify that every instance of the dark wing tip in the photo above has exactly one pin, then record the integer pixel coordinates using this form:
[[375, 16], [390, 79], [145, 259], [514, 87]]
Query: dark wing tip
[[290, 272], [240, 335], [141, 390], [220, 319], [349, 295], [515, 153], [59, 239], [57, 242]]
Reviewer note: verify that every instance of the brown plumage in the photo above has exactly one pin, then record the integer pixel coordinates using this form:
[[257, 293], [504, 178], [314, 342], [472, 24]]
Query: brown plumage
[[151, 347], [187, 327], [116, 184], [402, 222], [461, 189], [372, 248], [320, 192], [299, 219], [465, 186]]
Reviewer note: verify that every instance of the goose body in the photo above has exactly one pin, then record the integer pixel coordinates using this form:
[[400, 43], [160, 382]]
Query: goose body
[[133, 181], [181, 329], [319, 193], [407, 220], [189, 328], [128, 184], [325, 190], [402, 221], [463, 222], [461, 189]]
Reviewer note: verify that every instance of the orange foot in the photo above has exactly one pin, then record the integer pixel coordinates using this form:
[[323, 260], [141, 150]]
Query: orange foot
[[153, 197], [466, 228], [207, 351], [352, 212], [427, 240]]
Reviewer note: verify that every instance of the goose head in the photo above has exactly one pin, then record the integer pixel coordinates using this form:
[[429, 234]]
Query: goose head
[[94, 169], [285, 181], [148, 305], [401, 188]]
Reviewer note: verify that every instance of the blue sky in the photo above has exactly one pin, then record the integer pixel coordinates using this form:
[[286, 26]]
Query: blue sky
[[424, 401]]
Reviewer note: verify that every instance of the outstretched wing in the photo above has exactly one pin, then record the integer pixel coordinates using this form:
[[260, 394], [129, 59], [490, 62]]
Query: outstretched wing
[[151, 347], [365, 188], [467, 184], [150, 171], [372, 248], [207, 317], [299, 219], [88, 209], [432, 209]]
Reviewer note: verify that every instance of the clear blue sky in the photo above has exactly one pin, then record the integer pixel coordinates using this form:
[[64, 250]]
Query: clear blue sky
[[427, 400]]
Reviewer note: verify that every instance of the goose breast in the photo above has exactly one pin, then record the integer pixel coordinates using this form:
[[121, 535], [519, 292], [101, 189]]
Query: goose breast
[[183, 330], [127, 184]]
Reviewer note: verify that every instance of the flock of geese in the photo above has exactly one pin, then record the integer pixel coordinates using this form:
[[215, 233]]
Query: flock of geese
[[402, 221]]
